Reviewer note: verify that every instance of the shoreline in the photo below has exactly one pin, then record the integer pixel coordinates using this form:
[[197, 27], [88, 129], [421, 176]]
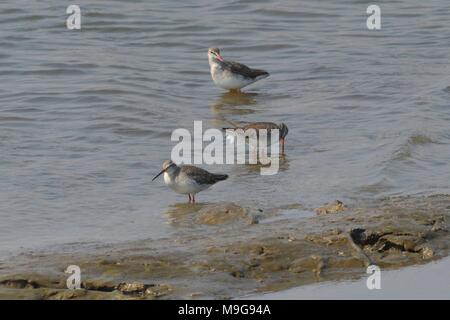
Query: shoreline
[[239, 251]]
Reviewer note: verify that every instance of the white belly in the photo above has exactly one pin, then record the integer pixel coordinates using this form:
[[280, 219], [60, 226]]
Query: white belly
[[228, 80], [183, 186]]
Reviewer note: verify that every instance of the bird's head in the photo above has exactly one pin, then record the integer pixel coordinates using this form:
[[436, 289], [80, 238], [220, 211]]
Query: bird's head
[[168, 165], [283, 133], [214, 54], [283, 130]]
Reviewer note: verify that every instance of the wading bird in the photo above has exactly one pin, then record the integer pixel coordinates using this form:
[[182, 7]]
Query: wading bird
[[188, 179], [232, 75], [268, 126]]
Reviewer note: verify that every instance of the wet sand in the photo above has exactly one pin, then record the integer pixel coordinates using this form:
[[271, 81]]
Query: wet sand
[[245, 251]]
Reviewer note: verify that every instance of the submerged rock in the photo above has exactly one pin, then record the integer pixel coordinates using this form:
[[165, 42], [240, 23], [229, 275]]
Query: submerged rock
[[212, 214], [222, 214]]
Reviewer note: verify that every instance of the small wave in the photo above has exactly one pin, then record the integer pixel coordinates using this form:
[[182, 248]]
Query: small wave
[[44, 72], [405, 152], [133, 132], [295, 14], [14, 119]]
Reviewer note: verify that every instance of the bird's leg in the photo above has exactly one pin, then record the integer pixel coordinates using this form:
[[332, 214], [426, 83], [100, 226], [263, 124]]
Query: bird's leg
[[282, 146], [193, 198], [189, 197]]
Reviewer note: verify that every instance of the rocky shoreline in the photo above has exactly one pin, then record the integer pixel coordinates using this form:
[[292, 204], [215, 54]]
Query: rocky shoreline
[[238, 251]]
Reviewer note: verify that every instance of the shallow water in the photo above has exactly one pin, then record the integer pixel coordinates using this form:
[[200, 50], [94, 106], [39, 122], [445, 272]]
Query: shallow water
[[413, 283], [86, 116]]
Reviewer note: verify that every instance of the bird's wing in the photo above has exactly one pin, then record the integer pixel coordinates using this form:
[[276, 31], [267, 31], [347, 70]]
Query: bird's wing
[[200, 175], [245, 71], [257, 126]]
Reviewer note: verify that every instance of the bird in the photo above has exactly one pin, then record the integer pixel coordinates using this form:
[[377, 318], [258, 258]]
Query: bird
[[188, 179], [283, 130], [232, 75]]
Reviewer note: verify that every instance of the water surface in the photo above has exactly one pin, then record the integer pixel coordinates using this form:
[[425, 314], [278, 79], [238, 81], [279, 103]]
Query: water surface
[[86, 116]]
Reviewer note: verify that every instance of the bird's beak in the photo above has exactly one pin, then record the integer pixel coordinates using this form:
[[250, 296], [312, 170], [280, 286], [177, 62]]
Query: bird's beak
[[219, 57], [162, 171]]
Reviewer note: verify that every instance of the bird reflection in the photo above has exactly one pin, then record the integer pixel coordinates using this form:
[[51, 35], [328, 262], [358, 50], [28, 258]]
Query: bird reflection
[[252, 168], [233, 103]]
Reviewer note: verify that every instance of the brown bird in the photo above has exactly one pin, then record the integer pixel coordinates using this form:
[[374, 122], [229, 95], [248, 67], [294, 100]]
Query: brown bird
[[283, 130]]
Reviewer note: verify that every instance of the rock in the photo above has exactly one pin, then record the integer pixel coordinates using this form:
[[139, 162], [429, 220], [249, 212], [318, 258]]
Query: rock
[[238, 273], [31, 281], [335, 207], [133, 287], [426, 251], [158, 290], [363, 238], [439, 225], [66, 294], [401, 242], [98, 285], [384, 240], [19, 283]]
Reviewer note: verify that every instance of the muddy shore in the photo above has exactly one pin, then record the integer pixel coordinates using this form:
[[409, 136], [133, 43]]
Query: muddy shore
[[241, 250]]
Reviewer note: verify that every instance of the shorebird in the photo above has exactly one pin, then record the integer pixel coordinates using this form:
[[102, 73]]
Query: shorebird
[[188, 179], [232, 75], [282, 129]]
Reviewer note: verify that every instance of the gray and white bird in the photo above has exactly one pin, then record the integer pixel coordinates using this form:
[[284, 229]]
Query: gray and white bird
[[232, 75], [188, 179], [268, 126]]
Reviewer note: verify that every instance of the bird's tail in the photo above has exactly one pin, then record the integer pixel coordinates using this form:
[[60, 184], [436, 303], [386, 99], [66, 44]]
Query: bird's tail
[[260, 74]]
